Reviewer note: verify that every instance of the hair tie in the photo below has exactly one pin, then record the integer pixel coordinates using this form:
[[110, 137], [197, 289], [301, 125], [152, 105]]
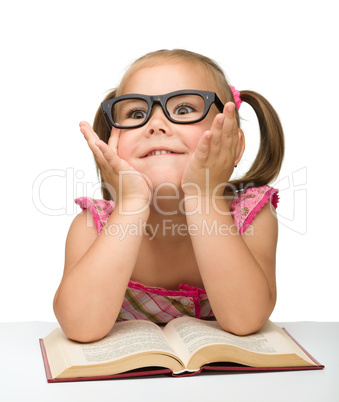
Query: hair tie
[[236, 96]]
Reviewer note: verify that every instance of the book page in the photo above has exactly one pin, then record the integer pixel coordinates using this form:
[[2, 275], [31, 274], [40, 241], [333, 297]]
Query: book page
[[188, 335], [126, 338]]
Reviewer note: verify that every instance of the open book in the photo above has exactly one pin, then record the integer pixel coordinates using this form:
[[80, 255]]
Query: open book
[[185, 346]]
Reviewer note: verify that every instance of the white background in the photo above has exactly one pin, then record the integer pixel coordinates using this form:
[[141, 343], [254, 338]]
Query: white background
[[60, 58]]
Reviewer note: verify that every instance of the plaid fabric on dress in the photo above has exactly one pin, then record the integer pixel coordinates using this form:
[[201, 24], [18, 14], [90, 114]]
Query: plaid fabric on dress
[[160, 305]]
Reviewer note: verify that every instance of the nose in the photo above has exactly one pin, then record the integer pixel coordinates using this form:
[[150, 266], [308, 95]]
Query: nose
[[158, 122]]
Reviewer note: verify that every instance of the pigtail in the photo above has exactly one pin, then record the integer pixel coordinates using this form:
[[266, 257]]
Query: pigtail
[[102, 129], [268, 161]]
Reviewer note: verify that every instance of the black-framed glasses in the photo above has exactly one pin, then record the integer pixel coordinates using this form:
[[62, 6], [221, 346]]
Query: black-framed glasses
[[180, 107]]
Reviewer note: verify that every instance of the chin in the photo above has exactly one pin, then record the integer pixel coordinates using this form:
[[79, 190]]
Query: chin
[[166, 186]]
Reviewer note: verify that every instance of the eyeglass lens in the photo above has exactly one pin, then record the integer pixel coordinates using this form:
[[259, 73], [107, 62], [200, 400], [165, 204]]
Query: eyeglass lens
[[181, 108]]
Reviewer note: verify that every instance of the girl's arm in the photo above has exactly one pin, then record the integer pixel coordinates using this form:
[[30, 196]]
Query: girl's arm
[[96, 274], [238, 272], [98, 268]]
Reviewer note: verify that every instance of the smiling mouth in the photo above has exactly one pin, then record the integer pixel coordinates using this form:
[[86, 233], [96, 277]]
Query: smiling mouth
[[159, 152]]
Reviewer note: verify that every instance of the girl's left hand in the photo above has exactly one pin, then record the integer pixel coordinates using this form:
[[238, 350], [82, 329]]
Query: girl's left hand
[[218, 151]]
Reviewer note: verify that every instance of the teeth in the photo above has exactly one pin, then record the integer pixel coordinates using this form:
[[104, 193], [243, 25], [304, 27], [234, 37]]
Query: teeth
[[159, 152]]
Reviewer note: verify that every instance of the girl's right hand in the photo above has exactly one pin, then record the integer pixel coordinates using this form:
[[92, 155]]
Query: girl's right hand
[[126, 185]]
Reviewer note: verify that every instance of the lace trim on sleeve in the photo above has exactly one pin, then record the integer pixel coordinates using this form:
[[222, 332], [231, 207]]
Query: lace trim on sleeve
[[100, 210], [270, 195], [247, 205]]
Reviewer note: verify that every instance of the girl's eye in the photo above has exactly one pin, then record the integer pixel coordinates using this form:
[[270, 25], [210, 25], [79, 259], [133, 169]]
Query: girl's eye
[[137, 114], [183, 109]]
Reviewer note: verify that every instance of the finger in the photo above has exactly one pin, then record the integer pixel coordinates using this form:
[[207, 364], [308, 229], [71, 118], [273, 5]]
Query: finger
[[98, 156], [216, 132], [109, 155], [91, 137], [202, 150], [231, 129], [88, 132], [114, 139], [85, 125], [230, 124]]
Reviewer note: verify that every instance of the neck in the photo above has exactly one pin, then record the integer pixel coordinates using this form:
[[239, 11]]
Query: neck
[[167, 220], [169, 227]]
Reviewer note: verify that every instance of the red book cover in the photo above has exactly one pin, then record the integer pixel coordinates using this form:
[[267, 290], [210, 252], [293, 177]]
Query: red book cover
[[156, 371]]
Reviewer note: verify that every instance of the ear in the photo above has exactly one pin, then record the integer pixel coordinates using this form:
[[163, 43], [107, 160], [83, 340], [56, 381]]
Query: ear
[[240, 146]]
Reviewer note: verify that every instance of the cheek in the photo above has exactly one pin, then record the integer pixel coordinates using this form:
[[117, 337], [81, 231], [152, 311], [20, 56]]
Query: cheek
[[195, 135], [123, 151], [125, 148], [194, 141]]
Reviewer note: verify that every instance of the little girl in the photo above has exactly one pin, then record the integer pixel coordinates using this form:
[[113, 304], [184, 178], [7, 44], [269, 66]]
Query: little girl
[[173, 235]]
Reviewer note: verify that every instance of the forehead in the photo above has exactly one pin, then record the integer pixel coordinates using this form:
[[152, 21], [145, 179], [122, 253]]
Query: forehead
[[168, 77]]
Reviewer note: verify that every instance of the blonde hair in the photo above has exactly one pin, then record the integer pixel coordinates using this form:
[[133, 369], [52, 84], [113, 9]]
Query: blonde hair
[[268, 161]]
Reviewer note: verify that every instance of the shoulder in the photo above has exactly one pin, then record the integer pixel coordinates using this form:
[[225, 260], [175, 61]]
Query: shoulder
[[248, 203], [82, 230], [81, 234], [98, 209]]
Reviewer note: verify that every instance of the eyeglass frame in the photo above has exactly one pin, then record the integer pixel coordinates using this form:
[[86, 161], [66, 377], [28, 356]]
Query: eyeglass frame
[[208, 96]]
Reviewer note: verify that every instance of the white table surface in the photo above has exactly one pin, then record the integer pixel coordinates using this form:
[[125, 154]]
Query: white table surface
[[22, 375]]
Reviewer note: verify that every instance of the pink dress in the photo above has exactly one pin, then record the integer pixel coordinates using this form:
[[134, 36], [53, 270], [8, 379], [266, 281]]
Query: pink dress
[[161, 305]]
